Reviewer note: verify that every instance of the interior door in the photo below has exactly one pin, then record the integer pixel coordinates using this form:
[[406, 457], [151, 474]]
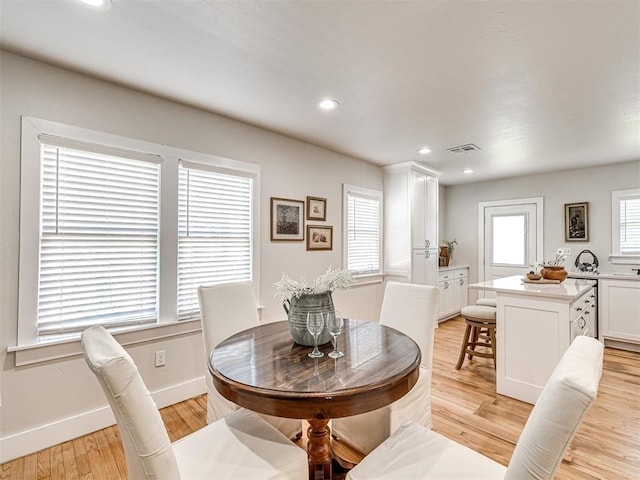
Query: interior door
[[512, 238]]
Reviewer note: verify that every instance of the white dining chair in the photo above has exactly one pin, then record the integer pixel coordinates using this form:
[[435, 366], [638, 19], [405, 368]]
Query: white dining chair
[[417, 453], [240, 446], [227, 309], [413, 310]]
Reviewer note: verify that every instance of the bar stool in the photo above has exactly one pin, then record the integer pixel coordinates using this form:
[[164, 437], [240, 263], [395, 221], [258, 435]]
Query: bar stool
[[478, 318], [487, 302]]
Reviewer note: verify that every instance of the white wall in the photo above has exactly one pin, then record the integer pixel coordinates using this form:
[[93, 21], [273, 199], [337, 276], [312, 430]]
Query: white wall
[[49, 402], [593, 185]]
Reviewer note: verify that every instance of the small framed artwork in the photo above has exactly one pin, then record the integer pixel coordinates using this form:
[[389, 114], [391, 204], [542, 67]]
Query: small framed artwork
[[576, 222], [287, 219], [316, 208], [319, 237]]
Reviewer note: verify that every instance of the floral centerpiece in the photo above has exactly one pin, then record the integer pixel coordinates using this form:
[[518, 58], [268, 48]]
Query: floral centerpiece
[[299, 298]]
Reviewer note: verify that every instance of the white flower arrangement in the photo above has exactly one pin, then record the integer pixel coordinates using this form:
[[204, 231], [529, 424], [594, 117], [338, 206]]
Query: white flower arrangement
[[332, 279], [556, 262]]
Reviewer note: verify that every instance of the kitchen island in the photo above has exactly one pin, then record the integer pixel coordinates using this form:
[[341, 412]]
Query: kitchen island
[[535, 324]]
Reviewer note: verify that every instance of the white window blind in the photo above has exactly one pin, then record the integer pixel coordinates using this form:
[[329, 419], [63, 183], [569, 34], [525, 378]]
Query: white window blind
[[98, 260], [363, 238], [630, 225], [214, 232]]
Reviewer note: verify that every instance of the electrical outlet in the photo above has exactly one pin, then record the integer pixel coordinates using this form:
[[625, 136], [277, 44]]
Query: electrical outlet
[[564, 251], [160, 358]]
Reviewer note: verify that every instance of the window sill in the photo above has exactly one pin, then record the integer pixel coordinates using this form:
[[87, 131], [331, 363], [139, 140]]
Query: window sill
[[367, 279], [57, 349], [618, 259]]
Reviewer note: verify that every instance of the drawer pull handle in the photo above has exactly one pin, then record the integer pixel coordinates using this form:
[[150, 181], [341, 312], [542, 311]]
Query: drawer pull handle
[[578, 309], [584, 322]]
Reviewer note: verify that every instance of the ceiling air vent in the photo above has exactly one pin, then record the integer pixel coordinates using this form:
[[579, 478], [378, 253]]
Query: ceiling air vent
[[469, 147]]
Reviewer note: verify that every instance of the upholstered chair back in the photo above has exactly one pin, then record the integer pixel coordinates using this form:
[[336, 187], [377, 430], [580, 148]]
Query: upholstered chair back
[[225, 310], [413, 310], [414, 452], [558, 413], [146, 444]]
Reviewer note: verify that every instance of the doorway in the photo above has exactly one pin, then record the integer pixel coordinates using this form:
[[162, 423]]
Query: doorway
[[511, 237]]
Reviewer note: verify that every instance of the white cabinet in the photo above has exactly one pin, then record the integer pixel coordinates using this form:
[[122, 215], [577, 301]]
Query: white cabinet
[[620, 311], [411, 223], [583, 315], [532, 334], [424, 267], [424, 211], [452, 283]]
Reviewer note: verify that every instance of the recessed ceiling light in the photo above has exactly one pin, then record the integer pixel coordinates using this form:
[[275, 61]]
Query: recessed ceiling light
[[467, 171], [328, 104], [98, 4], [424, 150]]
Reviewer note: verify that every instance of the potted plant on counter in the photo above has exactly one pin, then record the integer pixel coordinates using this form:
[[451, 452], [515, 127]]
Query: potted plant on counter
[[447, 250], [554, 269]]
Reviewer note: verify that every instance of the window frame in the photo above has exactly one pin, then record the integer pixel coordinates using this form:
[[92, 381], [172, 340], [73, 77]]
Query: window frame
[[617, 257], [348, 190], [30, 200]]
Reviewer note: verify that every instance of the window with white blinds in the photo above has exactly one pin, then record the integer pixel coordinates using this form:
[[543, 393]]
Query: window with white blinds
[[98, 259], [214, 232], [626, 221], [120, 232], [363, 225]]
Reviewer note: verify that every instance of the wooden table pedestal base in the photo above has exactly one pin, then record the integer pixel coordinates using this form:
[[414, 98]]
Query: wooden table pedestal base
[[319, 449]]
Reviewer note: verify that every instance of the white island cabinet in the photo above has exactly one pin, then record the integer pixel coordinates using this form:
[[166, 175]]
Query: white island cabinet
[[535, 324], [620, 312]]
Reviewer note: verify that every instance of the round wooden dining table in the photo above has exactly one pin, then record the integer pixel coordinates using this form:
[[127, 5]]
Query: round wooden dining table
[[264, 370]]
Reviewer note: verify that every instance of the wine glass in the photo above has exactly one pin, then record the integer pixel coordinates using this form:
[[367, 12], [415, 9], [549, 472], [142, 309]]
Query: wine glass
[[335, 325], [315, 324]]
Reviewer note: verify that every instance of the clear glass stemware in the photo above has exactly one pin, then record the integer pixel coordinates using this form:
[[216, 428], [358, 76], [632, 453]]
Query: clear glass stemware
[[335, 325], [315, 324]]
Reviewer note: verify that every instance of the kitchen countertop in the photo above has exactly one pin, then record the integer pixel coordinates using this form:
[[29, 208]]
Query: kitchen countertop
[[451, 267], [568, 290], [607, 275]]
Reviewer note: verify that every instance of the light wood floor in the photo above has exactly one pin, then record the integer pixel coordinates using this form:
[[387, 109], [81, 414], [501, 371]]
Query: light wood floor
[[465, 408]]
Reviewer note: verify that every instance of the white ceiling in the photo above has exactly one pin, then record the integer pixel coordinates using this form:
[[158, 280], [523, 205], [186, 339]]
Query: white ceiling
[[537, 85]]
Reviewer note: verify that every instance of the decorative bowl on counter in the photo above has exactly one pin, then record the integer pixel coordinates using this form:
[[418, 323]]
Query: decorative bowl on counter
[[533, 276], [554, 273]]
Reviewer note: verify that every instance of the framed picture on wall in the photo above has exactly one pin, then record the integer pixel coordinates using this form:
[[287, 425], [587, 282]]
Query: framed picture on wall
[[319, 237], [576, 222], [287, 219], [316, 208]]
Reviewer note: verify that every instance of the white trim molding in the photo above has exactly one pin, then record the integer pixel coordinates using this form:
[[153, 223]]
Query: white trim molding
[[45, 436]]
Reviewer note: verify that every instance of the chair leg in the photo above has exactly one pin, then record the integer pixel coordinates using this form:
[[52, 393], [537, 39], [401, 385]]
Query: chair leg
[[475, 333], [492, 334], [463, 349]]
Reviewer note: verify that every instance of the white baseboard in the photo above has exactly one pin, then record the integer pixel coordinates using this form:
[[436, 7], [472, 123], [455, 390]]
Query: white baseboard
[[45, 436]]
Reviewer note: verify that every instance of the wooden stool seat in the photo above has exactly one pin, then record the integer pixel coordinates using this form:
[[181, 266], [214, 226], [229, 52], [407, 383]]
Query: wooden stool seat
[[480, 332], [487, 302]]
